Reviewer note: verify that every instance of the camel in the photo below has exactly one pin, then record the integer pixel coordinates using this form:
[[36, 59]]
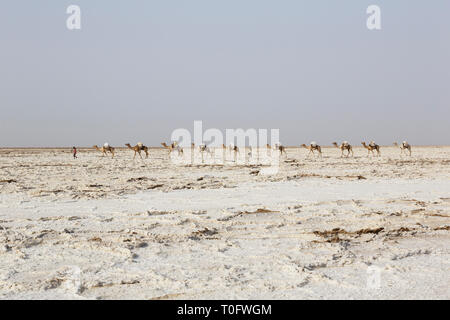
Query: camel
[[106, 147], [278, 147], [224, 150], [233, 148], [281, 148], [137, 149], [403, 147], [203, 148], [173, 146], [372, 146], [344, 146], [313, 146], [268, 148], [250, 151]]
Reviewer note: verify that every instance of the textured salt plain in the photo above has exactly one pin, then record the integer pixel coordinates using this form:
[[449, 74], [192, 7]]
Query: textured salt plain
[[101, 228]]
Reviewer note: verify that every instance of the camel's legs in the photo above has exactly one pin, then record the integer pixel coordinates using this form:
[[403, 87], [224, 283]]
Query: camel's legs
[[224, 155], [407, 150], [319, 152]]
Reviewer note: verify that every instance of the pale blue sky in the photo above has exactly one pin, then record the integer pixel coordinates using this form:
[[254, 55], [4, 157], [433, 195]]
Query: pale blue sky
[[139, 69]]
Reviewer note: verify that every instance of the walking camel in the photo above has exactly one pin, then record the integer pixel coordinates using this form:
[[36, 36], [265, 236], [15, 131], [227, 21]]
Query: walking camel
[[173, 146], [371, 147], [281, 148], [138, 148], [344, 146], [106, 147], [313, 146], [233, 148], [403, 147], [278, 147], [204, 148]]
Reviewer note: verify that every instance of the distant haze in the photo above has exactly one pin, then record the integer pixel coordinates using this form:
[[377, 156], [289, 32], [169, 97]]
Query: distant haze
[[137, 70]]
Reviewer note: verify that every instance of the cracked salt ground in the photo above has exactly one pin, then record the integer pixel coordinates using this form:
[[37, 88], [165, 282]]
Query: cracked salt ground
[[311, 231]]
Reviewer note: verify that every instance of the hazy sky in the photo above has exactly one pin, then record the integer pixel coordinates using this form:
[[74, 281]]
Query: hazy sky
[[137, 70]]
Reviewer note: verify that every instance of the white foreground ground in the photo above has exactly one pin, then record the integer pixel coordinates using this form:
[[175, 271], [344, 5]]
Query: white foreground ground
[[101, 228]]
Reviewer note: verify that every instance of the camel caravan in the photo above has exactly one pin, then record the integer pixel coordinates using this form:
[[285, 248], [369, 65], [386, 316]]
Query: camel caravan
[[233, 151]]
